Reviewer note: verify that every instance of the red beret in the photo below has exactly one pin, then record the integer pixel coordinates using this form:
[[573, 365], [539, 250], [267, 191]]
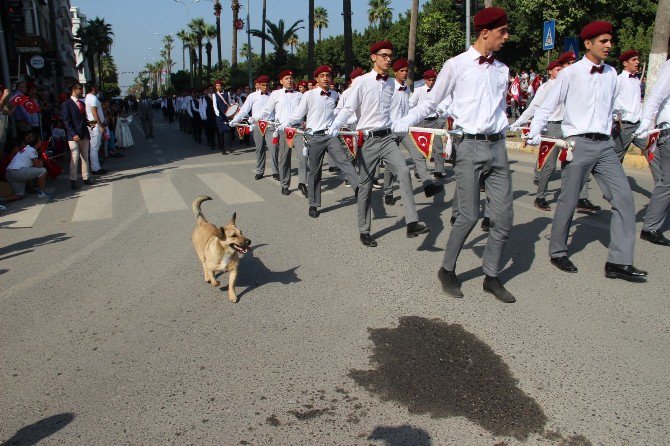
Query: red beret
[[218, 82], [262, 79], [302, 83], [566, 57], [429, 74], [356, 72], [595, 29], [284, 73], [400, 64], [553, 65], [383, 45], [322, 69], [490, 18], [628, 55]]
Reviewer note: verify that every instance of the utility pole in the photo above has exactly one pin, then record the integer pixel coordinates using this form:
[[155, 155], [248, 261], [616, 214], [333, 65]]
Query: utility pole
[[348, 44], [659, 43], [411, 48], [467, 25]]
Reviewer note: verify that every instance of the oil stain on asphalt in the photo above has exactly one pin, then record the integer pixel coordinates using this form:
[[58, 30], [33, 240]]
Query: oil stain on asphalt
[[442, 370]]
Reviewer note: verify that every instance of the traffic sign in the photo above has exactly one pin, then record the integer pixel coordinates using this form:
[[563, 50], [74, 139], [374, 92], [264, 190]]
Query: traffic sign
[[549, 35], [571, 44]]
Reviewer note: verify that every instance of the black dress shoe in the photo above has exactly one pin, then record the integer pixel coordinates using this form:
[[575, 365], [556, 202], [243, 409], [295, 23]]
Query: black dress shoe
[[275, 177], [625, 272], [74, 184], [564, 264], [432, 189], [285, 191], [452, 220], [585, 205], [439, 175], [313, 212], [367, 240], [303, 189], [416, 175], [654, 237], [258, 176], [542, 204], [376, 184], [389, 200], [492, 285], [89, 182], [223, 152], [415, 228], [449, 283], [333, 169], [486, 224], [100, 172], [536, 181]]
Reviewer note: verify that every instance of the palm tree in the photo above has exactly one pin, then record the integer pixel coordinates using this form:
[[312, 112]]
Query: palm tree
[[209, 34], [411, 47], [197, 27], [217, 14], [183, 35], [263, 19], [348, 38], [168, 41], [659, 43], [278, 36], [95, 40], [235, 6], [244, 51], [292, 42], [320, 19], [380, 12], [310, 37]]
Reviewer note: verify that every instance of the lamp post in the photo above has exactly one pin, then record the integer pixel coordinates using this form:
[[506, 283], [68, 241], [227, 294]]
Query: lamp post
[[187, 5]]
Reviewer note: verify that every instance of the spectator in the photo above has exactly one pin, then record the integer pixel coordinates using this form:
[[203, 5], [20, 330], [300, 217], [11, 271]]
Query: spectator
[[20, 114], [59, 138], [27, 165], [73, 113], [97, 126], [5, 111]]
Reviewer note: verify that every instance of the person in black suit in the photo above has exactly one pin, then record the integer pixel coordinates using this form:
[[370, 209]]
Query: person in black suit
[[73, 113], [209, 123]]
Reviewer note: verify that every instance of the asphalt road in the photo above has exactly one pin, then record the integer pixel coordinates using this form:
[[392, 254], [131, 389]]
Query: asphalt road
[[109, 334]]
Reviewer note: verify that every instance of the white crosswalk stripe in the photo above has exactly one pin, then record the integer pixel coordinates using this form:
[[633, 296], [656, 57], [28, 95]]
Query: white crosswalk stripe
[[228, 189], [160, 195], [94, 203], [25, 218]]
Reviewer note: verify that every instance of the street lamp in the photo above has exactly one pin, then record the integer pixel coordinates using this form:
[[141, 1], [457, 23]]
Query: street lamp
[[187, 5]]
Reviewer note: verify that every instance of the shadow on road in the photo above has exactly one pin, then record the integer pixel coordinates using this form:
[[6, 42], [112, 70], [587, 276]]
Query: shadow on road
[[404, 435], [36, 432], [26, 246]]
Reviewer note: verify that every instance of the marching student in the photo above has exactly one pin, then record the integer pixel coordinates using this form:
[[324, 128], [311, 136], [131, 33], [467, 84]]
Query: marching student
[[254, 105], [657, 109], [221, 101], [318, 104], [432, 121], [370, 99], [477, 84], [628, 101], [399, 109], [586, 89]]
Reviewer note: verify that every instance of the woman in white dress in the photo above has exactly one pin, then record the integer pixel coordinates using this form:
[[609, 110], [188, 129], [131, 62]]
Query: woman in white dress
[[124, 138]]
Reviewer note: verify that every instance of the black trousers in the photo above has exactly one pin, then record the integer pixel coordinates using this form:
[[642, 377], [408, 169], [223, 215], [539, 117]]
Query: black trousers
[[196, 125]]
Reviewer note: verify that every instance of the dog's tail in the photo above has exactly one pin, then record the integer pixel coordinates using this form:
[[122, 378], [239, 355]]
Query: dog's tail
[[196, 205]]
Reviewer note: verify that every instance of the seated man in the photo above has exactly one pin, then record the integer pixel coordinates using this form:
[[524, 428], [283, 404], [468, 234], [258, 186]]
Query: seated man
[[27, 165]]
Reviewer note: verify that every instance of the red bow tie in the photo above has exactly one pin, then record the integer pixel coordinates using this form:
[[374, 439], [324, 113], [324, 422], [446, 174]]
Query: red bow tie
[[403, 88], [597, 69], [325, 93], [632, 75], [384, 76], [288, 91], [489, 60]]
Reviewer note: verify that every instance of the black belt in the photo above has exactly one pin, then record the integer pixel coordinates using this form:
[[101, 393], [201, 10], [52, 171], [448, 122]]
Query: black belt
[[431, 119], [630, 123], [483, 137], [319, 132], [595, 136], [554, 122], [379, 133]]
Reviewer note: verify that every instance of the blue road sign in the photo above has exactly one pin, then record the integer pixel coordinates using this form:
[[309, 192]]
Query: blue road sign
[[549, 35], [571, 44]]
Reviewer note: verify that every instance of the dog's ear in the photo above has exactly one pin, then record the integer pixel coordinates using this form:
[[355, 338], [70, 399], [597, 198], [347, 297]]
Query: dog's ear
[[223, 233], [232, 220]]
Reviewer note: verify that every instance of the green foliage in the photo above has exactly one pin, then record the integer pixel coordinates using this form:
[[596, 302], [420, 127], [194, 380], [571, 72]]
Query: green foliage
[[181, 80]]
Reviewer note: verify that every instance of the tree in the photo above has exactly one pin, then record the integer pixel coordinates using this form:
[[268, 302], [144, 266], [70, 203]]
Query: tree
[[209, 33], [320, 19], [197, 27], [293, 42], [659, 43], [348, 49], [263, 19], [217, 14], [244, 52], [411, 46], [278, 36], [310, 36], [95, 41], [168, 41], [380, 12], [184, 36], [235, 6]]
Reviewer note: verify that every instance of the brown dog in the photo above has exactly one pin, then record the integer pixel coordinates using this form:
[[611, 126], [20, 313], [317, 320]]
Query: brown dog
[[218, 248]]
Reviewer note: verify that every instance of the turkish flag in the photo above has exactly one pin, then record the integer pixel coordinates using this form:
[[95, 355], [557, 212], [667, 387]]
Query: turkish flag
[[262, 126], [32, 106], [450, 123], [423, 141], [565, 156], [17, 100], [650, 148], [545, 149], [290, 134], [525, 130], [241, 131], [350, 142]]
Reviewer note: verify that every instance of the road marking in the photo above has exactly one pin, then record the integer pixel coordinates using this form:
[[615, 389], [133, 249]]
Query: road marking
[[160, 195], [228, 189], [25, 218], [94, 203]]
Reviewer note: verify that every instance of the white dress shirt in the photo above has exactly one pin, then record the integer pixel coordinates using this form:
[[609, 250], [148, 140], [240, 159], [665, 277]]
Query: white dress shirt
[[444, 108], [420, 93], [281, 104], [657, 103], [253, 106], [202, 108], [628, 97], [318, 108], [588, 99], [478, 92], [351, 123], [400, 101], [537, 101], [370, 99]]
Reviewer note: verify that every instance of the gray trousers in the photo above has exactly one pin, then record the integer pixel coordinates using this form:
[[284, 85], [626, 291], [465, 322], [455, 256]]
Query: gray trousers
[[474, 160], [660, 197], [599, 158], [549, 166], [262, 143], [298, 146], [438, 146], [316, 149], [284, 161], [419, 164], [373, 151], [623, 138]]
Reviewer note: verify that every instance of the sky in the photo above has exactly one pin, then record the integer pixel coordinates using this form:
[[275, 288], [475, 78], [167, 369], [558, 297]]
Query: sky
[[139, 25]]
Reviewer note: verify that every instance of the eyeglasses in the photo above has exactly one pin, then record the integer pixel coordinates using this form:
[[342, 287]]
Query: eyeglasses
[[385, 55]]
